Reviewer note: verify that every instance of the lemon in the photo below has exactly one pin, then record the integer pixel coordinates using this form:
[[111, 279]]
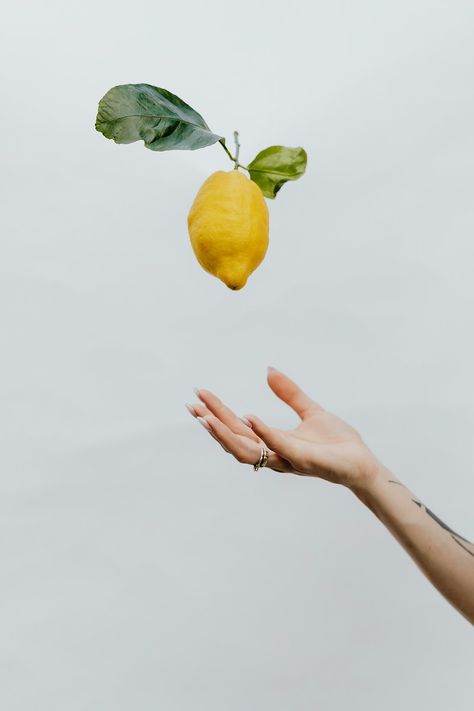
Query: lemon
[[228, 227]]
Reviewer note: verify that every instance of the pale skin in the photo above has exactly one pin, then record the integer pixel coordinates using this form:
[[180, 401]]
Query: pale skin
[[322, 445]]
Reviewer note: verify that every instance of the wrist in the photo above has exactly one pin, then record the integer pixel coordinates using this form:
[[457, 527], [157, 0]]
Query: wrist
[[370, 479]]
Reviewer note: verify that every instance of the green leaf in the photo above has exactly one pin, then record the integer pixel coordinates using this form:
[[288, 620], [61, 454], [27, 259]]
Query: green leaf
[[134, 112], [274, 166]]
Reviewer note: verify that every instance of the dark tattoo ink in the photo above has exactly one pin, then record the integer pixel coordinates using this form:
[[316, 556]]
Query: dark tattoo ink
[[460, 544], [438, 520], [455, 536]]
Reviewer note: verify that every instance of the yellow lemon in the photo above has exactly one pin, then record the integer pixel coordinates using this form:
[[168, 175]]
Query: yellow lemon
[[228, 227]]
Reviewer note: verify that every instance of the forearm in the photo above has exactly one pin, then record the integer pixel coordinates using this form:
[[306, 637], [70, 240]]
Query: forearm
[[444, 556], [323, 445]]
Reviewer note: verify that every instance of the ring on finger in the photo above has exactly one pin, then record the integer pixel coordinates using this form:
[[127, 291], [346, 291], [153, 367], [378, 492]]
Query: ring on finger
[[262, 462]]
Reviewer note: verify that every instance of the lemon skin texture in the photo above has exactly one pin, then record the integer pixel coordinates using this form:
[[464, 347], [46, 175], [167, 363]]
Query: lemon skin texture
[[228, 227]]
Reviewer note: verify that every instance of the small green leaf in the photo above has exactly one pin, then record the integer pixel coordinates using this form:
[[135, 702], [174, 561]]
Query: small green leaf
[[274, 166], [134, 112]]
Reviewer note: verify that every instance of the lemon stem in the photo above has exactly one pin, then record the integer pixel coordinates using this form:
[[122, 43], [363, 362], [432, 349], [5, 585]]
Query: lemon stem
[[237, 150], [234, 159]]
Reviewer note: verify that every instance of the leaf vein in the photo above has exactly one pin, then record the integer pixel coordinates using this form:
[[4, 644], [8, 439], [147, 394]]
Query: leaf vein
[[271, 172], [156, 116]]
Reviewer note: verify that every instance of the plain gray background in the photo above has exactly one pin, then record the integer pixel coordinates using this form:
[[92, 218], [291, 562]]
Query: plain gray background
[[141, 568]]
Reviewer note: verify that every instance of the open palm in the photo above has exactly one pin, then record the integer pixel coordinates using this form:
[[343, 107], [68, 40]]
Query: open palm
[[321, 445]]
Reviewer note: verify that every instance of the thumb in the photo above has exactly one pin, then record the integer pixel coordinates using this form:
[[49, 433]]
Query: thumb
[[275, 440], [288, 391]]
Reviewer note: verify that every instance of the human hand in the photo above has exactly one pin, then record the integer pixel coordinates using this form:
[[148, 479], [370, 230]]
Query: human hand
[[321, 445]]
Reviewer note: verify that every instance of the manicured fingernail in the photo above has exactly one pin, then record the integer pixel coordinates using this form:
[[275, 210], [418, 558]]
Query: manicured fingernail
[[196, 390], [270, 367], [204, 423], [246, 422], [190, 408]]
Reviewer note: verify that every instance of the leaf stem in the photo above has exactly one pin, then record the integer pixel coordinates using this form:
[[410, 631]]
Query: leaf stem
[[237, 150], [222, 142]]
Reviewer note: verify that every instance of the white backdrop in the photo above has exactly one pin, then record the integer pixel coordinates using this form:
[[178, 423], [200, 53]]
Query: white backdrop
[[141, 568]]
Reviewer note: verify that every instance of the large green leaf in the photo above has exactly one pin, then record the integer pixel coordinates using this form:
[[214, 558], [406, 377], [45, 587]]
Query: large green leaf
[[134, 112], [274, 166]]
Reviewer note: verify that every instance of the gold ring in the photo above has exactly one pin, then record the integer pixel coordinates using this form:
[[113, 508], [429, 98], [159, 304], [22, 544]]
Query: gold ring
[[262, 462]]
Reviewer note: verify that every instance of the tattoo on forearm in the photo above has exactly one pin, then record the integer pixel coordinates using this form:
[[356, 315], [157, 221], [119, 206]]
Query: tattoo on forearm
[[438, 520], [462, 546], [455, 536]]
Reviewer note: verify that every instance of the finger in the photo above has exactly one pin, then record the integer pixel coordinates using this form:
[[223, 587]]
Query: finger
[[197, 409], [277, 463], [274, 439], [227, 440], [245, 450], [288, 391], [225, 414], [208, 429]]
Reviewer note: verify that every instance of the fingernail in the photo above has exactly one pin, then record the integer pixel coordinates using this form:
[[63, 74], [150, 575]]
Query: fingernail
[[204, 423], [246, 422], [270, 367], [196, 390], [190, 408]]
